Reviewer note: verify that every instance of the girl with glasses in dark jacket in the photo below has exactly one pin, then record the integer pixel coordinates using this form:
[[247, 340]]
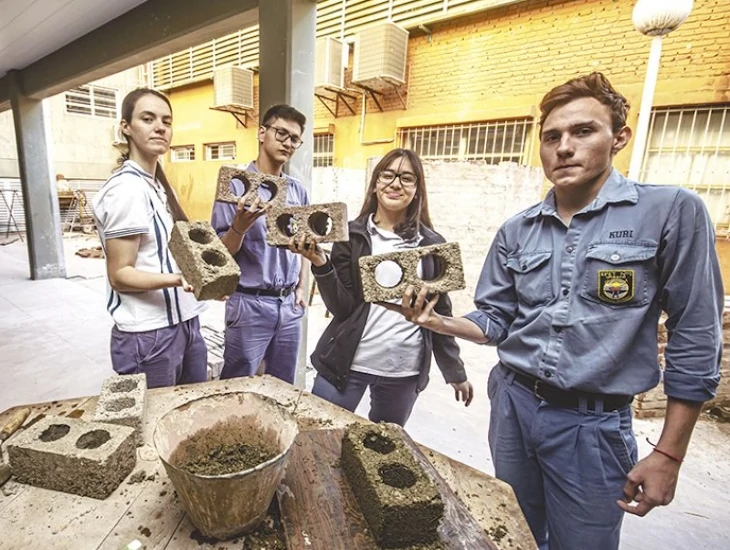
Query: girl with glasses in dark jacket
[[367, 345]]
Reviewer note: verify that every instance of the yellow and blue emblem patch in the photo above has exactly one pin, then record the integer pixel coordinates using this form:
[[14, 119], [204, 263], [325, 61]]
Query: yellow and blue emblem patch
[[616, 286]]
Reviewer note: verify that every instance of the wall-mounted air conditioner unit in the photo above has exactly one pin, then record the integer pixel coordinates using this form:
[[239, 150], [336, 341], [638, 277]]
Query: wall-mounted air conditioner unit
[[117, 135], [329, 69], [233, 87], [380, 55]]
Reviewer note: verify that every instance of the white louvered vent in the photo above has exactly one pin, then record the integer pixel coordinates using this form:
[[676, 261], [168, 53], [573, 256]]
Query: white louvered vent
[[233, 87], [118, 137], [380, 55], [329, 68]]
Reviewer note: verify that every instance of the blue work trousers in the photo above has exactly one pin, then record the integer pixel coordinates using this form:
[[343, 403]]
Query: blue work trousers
[[261, 328], [567, 467]]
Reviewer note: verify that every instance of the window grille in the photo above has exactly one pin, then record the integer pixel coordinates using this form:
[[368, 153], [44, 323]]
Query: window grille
[[92, 101], [182, 153], [324, 150], [690, 147], [220, 151], [492, 142]]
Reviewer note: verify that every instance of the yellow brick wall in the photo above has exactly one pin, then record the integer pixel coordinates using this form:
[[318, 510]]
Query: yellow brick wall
[[490, 65]]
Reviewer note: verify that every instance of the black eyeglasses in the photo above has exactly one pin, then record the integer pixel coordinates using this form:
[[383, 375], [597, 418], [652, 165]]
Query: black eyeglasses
[[407, 179], [282, 135]]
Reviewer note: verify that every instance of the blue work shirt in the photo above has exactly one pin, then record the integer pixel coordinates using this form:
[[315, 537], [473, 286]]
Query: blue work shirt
[[578, 306], [262, 265]]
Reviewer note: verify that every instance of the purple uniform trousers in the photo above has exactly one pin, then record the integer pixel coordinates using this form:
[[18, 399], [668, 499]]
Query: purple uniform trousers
[[168, 356], [391, 398], [261, 328]]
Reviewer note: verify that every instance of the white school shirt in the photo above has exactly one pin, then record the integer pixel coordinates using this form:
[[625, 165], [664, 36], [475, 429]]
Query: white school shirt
[[390, 345], [131, 202]]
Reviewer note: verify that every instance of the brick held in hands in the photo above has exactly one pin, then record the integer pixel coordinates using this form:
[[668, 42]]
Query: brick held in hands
[[325, 223], [74, 456], [122, 401], [450, 272], [398, 499], [204, 260], [251, 182]]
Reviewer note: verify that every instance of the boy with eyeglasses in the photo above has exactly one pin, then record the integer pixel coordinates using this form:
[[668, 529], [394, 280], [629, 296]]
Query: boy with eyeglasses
[[263, 317]]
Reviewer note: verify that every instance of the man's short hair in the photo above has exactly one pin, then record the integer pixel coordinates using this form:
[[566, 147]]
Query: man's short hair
[[594, 85], [285, 112]]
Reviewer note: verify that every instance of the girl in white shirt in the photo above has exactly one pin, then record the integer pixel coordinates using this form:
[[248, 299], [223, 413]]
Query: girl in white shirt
[[156, 328]]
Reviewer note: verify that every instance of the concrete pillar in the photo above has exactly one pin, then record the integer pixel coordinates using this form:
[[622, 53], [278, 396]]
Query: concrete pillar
[[286, 61], [40, 199]]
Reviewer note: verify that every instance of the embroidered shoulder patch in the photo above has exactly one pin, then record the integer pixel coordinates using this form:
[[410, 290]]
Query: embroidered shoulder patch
[[616, 286]]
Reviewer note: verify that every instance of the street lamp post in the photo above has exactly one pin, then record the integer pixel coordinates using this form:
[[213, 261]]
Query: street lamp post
[[656, 19]]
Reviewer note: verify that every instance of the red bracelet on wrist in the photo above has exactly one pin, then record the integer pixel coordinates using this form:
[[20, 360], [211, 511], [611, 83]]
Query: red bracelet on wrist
[[670, 457]]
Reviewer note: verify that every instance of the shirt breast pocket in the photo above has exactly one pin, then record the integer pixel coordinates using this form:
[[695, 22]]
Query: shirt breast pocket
[[531, 273], [620, 275]]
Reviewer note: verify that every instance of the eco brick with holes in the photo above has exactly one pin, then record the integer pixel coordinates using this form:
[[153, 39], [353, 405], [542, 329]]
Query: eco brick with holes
[[122, 401], [251, 183], [204, 260], [451, 276], [326, 223], [398, 499], [74, 456]]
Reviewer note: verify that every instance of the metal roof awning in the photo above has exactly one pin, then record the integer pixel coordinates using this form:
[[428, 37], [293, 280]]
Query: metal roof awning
[[54, 47]]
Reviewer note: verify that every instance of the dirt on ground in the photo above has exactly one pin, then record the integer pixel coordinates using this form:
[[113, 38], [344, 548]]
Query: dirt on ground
[[95, 252]]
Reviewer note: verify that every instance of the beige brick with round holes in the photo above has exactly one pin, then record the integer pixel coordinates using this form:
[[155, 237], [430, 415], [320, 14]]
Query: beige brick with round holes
[[326, 223], [74, 456], [204, 260], [450, 278]]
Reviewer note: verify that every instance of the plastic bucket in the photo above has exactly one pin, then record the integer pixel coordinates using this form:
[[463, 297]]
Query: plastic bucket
[[223, 506]]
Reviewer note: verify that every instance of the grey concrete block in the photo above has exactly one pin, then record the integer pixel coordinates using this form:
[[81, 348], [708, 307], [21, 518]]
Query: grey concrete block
[[398, 499], [326, 223], [74, 456], [450, 278], [204, 260], [122, 401], [251, 183]]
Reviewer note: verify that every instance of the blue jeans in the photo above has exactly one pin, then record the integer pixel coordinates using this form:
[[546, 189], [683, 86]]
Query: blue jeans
[[567, 467], [391, 399], [261, 328], [168, 356]]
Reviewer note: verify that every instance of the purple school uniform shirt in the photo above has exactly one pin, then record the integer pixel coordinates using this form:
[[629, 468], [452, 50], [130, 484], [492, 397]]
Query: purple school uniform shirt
[[262, 265]]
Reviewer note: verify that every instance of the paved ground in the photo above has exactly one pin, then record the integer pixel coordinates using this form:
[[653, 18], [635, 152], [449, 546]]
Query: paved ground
[[54, 345]]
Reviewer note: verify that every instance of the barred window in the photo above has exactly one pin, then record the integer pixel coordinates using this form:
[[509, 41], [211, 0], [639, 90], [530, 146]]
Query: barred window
[[92, 101], [220, 151], [493, 142], [690, 147], [182, 153], [324, 150]]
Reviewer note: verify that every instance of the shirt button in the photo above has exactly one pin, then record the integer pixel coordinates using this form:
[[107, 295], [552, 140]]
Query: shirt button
[[570, 249], [615, 257], [548, 374], [565, 292]]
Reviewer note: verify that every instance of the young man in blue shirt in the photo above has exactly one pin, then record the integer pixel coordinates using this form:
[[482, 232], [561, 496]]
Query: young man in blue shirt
[[571, 293], [263, 317]]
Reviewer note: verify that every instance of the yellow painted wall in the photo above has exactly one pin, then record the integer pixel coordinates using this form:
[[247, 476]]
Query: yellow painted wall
[[489, 66], [194, 123]]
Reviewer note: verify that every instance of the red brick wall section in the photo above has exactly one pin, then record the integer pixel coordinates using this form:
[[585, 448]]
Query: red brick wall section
[[653, 403]]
